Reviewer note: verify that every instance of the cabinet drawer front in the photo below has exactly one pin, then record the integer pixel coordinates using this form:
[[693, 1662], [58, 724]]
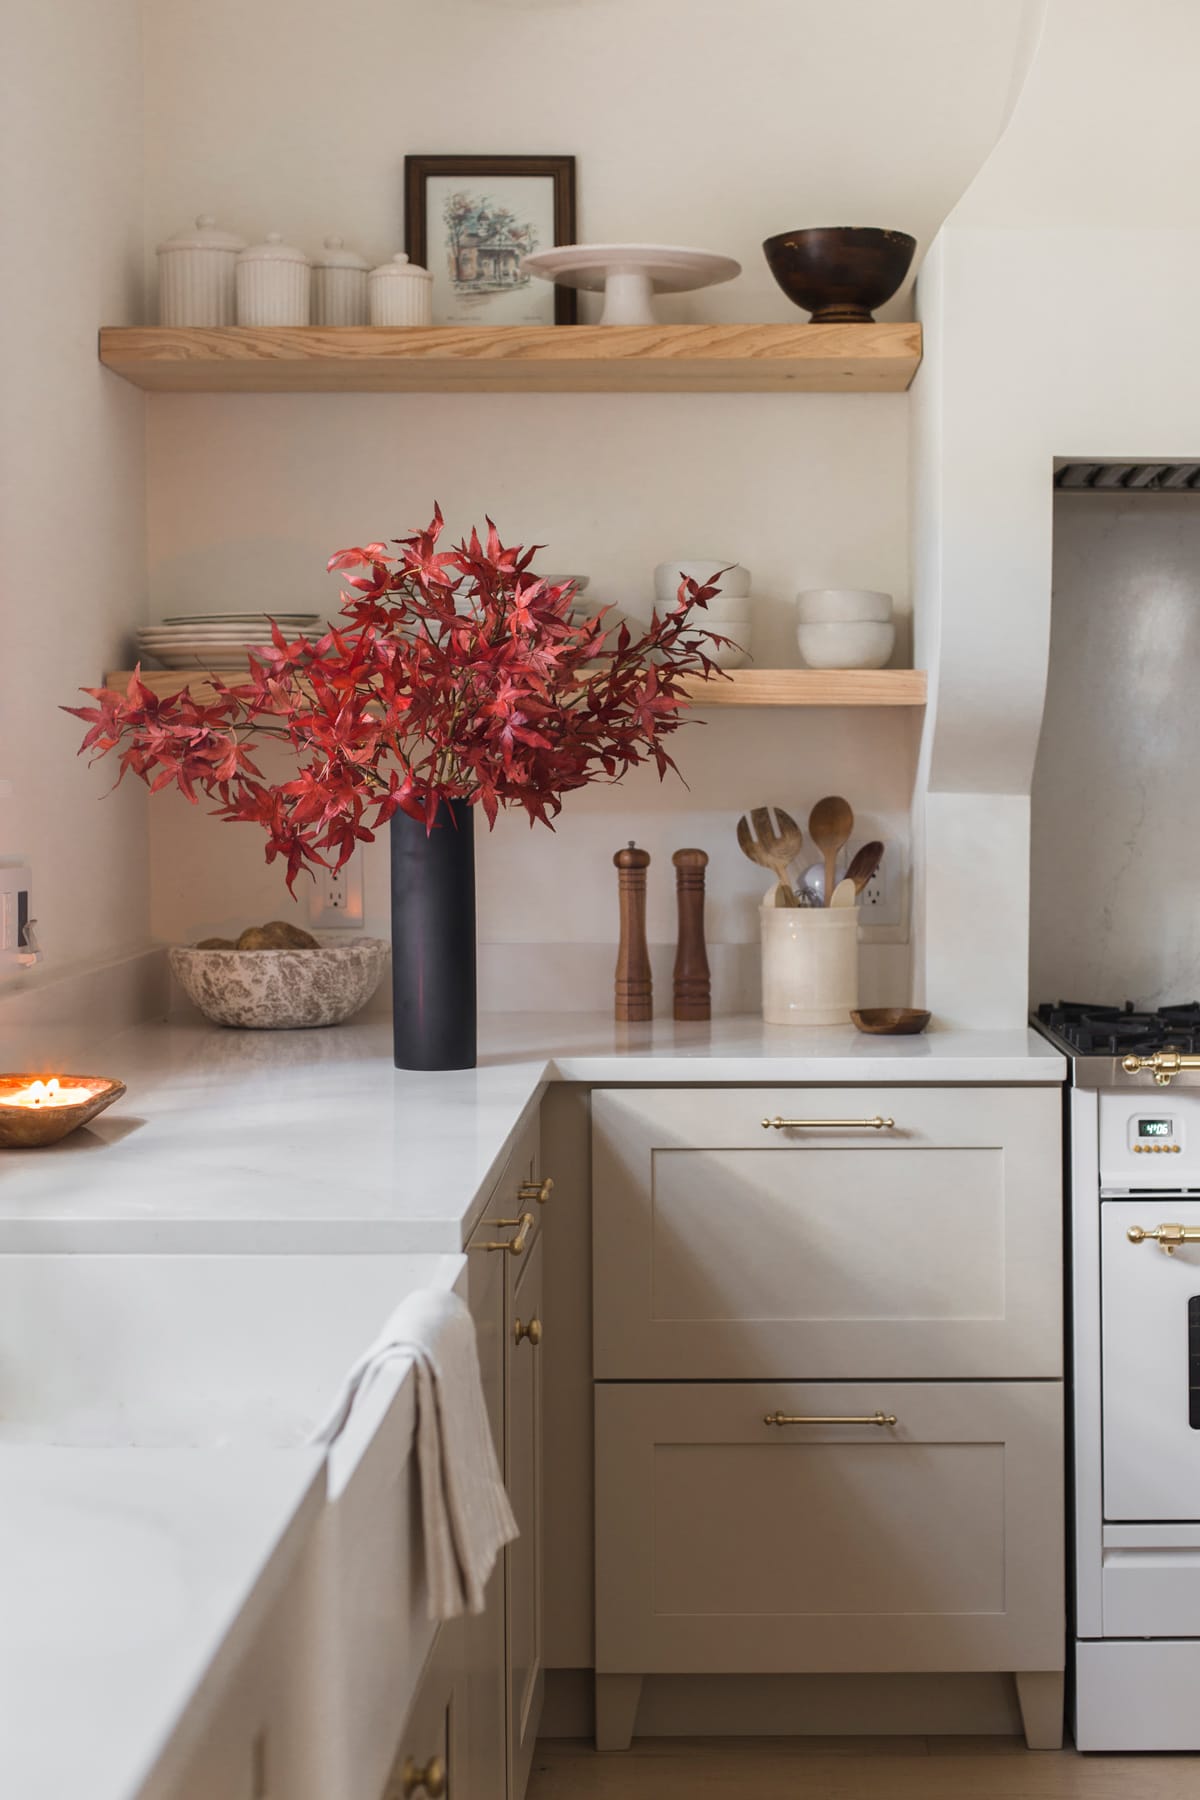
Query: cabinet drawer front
[[929, 1248], [726, 1545]]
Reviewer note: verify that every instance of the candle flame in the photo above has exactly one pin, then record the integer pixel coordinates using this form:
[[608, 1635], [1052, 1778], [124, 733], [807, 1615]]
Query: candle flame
[[47, 1093], [43, 1093]]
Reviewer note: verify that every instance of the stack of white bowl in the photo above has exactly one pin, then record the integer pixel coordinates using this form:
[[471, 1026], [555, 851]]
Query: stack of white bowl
[[845, 628], [219, 640], [726, 615]]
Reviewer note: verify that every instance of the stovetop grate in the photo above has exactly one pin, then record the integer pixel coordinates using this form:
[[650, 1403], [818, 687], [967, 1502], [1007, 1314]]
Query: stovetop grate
[[1130, 478], [1116, 1030]]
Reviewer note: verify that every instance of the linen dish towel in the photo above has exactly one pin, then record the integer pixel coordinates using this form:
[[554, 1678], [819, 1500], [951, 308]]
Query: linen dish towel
[[465, 1513]]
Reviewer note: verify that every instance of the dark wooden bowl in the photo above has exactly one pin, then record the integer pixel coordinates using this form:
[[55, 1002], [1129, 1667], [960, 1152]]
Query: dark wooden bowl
[[891, 1021], [27, 1127], [840, 273]]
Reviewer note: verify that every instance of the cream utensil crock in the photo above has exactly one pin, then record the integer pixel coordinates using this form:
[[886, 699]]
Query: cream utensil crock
[[809, 964]]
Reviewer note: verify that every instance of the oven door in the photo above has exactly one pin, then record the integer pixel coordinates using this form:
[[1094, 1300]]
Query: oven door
[[1151, 1362]]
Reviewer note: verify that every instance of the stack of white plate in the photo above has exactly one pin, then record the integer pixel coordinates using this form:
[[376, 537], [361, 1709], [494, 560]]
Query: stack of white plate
[[218, 640]]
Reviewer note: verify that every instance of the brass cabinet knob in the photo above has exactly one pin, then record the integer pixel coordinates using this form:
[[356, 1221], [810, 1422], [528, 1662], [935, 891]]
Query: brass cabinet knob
[[536, 1190], [431, 1779], [532, 1331]]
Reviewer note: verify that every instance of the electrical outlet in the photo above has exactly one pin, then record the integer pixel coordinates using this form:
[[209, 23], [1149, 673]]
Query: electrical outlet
[[337, 896], [882, 905], [18, 947]]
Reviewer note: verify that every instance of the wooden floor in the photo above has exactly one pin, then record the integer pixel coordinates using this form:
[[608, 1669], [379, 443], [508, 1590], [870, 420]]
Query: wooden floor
[[853, 1769]]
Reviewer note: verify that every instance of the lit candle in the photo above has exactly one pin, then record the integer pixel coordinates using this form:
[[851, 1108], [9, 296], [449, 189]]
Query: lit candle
[[46, 1094]]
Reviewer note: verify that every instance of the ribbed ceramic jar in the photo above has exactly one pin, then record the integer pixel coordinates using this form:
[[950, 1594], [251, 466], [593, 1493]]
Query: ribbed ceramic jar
[[339, 286], [809, 964], [400, 293], [274, 284], [197, 275]]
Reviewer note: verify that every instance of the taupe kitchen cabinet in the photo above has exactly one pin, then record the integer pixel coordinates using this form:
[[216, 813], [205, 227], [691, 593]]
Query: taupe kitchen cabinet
[[433, 1762], [503, 1645], [828, 1359]]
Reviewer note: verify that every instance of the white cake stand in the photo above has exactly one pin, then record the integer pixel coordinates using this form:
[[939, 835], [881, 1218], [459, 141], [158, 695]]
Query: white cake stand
[[629, 275]]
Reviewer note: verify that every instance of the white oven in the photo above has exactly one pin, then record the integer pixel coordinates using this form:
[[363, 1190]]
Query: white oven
[[1150, 1358]]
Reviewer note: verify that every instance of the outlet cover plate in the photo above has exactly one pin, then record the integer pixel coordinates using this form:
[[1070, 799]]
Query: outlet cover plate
[[336, 901]]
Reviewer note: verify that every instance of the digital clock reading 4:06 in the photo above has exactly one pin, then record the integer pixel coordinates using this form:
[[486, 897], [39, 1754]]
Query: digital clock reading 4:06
[[1154, 1128]]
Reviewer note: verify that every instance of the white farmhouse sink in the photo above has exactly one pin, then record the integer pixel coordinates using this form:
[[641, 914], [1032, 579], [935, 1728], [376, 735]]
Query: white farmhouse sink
[[220, 1356], [202, 1352]]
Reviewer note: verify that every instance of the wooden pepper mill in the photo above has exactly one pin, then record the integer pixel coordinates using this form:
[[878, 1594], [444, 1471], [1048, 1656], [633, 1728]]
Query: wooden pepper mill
[[692, 987], [634, 993]]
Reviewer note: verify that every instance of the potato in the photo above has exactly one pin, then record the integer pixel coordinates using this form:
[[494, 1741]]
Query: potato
[[216, 944]]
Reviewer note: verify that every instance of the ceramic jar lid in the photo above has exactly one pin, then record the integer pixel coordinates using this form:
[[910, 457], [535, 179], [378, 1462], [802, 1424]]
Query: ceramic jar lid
[[336, 256], [273, 250], [400, 269], [206, 235]]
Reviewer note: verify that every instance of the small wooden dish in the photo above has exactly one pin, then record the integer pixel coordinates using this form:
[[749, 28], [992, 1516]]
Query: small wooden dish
[[28, 1127], [891, 1021]]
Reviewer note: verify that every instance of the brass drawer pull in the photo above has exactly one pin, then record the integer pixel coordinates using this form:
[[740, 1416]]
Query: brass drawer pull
[[1167, 1237], [878, 1123], [536, 1190], [432, 1778], [514, 1245], [532, 1331], [877, 1418]]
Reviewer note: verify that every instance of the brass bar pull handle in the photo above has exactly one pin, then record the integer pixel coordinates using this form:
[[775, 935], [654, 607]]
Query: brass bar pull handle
[[878, 1123], [876, 1418], [1167, 1237], [1165, 1063], [514, 1245], [532, 1331], [432, 1778], [536, 1190]]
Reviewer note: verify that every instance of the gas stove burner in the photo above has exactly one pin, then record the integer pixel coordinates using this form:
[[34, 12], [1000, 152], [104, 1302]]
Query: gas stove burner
[[1116, 1030]]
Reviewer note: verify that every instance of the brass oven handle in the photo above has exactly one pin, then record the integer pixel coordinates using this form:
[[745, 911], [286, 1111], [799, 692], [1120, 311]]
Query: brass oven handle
[[432, 1778], [514, 1245], [1165, 1063], [877, 1418], [532, 1331], [1167, 1237], [878, 1123], [536, 1190]]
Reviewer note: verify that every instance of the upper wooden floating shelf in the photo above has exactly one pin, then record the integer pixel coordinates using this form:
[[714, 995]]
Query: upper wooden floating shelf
[[558, 359], [744, 687]]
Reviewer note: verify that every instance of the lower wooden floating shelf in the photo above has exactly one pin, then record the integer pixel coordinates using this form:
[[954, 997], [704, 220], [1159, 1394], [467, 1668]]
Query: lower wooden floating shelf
[[742, 687]]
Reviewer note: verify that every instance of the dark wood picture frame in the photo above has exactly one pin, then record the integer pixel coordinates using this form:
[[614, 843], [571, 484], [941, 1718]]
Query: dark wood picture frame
[[558, 169]]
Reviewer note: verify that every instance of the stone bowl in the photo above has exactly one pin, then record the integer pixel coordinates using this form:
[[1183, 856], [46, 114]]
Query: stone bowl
[[281, 990], [840, 273], [26, 1127]]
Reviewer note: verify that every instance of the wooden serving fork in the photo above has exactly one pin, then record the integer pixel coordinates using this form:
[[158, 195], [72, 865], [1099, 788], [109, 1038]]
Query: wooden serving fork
[[772, 845]]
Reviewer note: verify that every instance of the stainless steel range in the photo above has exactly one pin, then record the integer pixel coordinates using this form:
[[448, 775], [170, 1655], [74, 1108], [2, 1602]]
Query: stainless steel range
[[1134, 1187]]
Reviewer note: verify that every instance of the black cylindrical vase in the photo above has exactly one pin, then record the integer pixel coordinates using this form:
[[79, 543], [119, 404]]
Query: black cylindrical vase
[[433, 939]]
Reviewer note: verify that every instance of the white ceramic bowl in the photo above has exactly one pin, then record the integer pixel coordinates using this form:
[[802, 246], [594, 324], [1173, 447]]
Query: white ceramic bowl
[[667, 576], [726, 607], [864, 646], [734, 655], [842, 606], [281, 990]]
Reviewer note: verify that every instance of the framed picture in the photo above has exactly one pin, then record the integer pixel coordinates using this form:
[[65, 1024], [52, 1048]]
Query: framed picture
[[470, 219]]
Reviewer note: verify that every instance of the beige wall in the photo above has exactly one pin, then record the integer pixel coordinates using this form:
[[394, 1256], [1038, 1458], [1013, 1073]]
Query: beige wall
[[71, 457], [693, 122]]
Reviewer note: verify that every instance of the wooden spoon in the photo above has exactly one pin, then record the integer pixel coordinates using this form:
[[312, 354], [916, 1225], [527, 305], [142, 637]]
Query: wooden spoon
[[771, 846], [829, 826], [864, 864], [845, 893]]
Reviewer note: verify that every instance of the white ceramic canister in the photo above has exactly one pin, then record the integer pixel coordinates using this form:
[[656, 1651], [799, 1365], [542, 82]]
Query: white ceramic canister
[[400, 293], [339, 290], [274, 284], [196, 275], [809, 964]]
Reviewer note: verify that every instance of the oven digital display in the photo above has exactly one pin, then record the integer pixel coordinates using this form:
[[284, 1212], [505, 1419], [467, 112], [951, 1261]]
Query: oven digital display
[[1155, 1128]]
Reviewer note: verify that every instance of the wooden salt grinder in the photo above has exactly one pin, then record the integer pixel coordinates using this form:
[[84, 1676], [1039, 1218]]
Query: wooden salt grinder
[[692, 989], [634, 993]]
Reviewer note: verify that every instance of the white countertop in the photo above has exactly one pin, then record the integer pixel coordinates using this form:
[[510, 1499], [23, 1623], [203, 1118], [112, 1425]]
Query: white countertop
[[123, 1573], [311, 1140]]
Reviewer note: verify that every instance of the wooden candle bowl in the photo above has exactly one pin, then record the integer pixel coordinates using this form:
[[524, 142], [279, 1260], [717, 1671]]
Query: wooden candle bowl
[[891, 1021], [27, 1127]]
